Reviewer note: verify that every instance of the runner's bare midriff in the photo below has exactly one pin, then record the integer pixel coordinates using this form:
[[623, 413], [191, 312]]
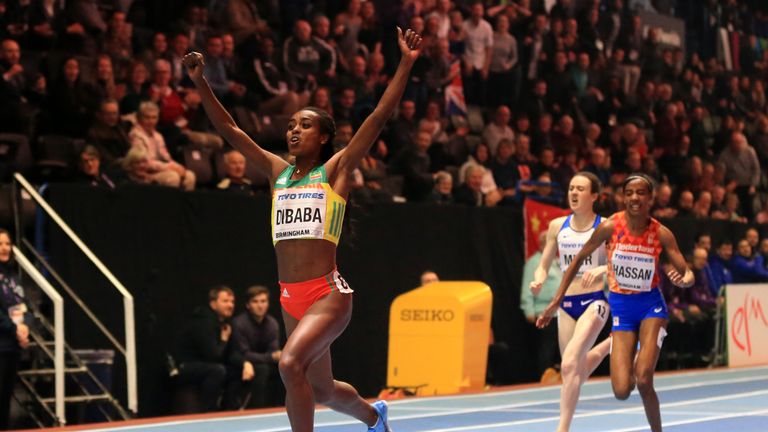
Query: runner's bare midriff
[[302, 260]]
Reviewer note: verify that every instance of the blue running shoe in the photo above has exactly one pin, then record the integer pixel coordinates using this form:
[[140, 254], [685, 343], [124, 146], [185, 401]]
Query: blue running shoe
[[381, 424]]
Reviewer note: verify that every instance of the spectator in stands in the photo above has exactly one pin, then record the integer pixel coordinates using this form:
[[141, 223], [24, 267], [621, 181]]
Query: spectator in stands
[[109, 134], [505, 171], [481, 157], [106, 84], [565, 139], [307, 59], [274, 92], [743, 168], [14, 325], [71, 102], [477, 55], [158, 50], [136, 167], [162, 168], [704, 241], [731, 211], [235, 179], [762, 215], [600, 165], [244, 21], [720, 264], [471, 191], [498, 129], [136, 88], [752, 236], [662, 208], [428, 277], [179, 48], [20, 90], [205, 352], [533, 304], [503, 71], [231, 92], [763, 251], [413, 164], [402, 129], [176, 111], [256, 336], [90, 168], [747, 268], [685, 204], [442, 192]]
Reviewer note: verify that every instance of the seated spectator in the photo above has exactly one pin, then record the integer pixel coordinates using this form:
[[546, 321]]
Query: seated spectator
[[235, 180], [108, 134], [505, 171], [600, 165], [14, 324], [106, 83], [162, 168], [71, 102], [229, 91], [402, 128], [762, 216], [763, 251], [753, 238], [565, 138], [321, 98], [307, 59], [273, 90], [413, 164], [720, 265], [205, 353], [481, 157], [136, 88], [179, 48], [498, 129], [90, 168], [662, 207], [743, 168], [746, 267], [702, 206], [685, 204], [158, 50], [542, 190], [256, 336], [471, 192], [731, 211], [175, 111], [441, 193], [704, 241], [428, 277], [136, 167], [20, 89]]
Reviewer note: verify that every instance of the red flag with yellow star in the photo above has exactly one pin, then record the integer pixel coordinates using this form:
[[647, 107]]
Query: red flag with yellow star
[[537, 217]]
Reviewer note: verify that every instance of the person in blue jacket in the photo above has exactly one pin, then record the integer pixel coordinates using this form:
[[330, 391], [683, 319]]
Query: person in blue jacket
[[745, 267]]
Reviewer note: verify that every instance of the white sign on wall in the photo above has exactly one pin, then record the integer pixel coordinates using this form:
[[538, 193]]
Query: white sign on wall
[[747, 308]]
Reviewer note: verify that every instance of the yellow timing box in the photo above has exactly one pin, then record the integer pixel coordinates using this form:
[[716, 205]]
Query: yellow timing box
[[438, 338]]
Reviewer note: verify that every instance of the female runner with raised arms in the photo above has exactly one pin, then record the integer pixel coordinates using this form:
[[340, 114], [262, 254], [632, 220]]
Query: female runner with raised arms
[[584, 308], [308, 203], [636, 241]]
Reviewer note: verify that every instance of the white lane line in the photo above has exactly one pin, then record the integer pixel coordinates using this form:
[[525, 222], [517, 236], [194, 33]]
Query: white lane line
[[637, 409], [701, 420]]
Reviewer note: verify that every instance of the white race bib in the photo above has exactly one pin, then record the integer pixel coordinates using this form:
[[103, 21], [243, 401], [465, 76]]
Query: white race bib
[[299, 213], [633, 271]]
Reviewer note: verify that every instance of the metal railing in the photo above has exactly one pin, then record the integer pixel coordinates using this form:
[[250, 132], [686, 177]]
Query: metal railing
[[58, 322], [129, 349]]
